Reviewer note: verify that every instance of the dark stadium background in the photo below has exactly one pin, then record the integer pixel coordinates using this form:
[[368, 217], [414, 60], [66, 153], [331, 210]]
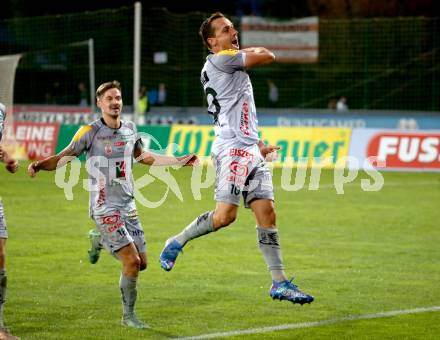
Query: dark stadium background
[[276, 8], [382, 55]]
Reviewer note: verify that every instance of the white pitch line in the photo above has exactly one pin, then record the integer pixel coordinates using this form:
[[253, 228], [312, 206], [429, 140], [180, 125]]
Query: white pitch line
[[311, 324]]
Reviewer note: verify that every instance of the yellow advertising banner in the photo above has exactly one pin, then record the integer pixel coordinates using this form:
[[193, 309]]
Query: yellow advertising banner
[[311, 146], [299, 146], [195, 139]]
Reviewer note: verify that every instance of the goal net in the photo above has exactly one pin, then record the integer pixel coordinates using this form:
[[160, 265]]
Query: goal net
[[8, 66], [39, 83]]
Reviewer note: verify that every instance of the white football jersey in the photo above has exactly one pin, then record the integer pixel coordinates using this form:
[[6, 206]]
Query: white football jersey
[[109, 153], [230, 96]]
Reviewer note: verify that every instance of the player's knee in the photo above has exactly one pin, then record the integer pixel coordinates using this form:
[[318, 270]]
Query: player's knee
[[267, 220], [266, 215], [143, 265], [272, 217], [225, 219], [134, 263]]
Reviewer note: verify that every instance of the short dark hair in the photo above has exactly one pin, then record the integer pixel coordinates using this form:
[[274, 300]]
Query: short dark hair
[[107, 86], [206, 31]]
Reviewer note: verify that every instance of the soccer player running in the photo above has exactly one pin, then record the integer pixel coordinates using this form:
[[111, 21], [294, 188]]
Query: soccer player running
[[110, 145], [237, 153], [12, 166]]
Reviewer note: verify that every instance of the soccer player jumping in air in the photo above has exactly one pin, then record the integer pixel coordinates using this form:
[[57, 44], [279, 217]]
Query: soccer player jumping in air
[[12, 166], [237, 153], [110, 145]]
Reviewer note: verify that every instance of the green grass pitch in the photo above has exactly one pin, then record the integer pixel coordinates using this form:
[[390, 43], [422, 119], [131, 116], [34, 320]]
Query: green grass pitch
[[358, 253]]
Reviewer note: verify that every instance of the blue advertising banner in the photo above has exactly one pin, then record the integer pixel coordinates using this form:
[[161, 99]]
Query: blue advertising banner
[[308, 118], [411, 120]]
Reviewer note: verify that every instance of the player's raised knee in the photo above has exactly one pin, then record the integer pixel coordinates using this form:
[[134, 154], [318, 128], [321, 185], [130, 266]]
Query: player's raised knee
[[134, 262], [223, 220]]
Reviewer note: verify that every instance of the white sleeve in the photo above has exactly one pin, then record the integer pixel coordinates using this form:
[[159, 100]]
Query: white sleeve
[[2, 119], [229, 61]]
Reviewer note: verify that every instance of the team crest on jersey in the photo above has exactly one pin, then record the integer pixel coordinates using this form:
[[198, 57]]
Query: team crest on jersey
[[108, 148]]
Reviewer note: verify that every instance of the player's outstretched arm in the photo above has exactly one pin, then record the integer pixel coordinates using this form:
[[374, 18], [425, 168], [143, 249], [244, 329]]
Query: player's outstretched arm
[[150, 158], [11, 164], [52, 162], [256, 56]]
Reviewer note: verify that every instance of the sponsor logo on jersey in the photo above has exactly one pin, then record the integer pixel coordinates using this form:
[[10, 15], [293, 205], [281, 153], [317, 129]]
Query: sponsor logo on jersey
[[244, 119], [101, 196], [111, 219], [106, 137], [241, 153], [406, 150], [119, 143], [238, 169], [238, 173], [115, 227], [236, 179]]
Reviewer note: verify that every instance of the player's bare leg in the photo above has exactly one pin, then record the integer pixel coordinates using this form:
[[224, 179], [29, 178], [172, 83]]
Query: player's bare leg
[[143, 263], [269, 244], [5, 335], [131, 264]]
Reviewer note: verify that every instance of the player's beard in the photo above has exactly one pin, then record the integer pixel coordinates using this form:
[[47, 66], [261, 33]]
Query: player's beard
[[114, 113]]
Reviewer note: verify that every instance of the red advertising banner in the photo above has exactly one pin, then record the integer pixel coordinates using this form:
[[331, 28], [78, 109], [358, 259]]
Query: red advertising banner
[[31, 140], [406, 150]]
